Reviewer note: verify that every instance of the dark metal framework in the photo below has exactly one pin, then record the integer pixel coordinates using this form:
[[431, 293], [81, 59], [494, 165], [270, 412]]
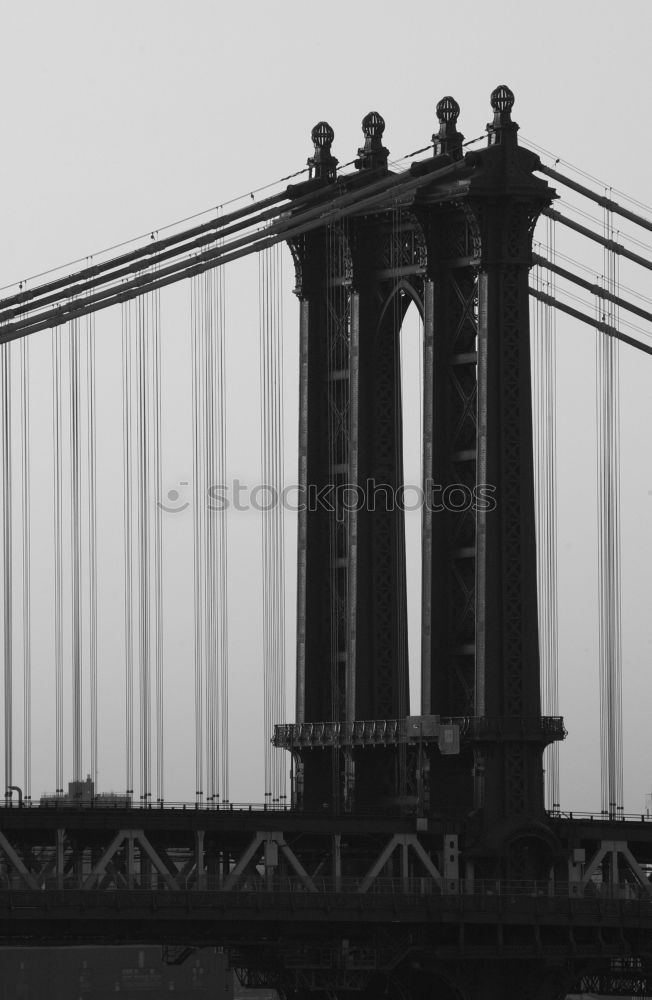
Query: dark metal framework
[[460, 248]]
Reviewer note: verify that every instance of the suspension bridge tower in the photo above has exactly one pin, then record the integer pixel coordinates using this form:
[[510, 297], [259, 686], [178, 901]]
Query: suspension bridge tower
[[459, 247]]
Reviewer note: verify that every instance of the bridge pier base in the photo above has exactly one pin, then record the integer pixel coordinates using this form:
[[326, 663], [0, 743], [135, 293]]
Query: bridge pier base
[[496, 979], [490, 980]]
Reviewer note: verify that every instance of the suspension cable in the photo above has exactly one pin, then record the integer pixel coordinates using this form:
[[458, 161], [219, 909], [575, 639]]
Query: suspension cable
[[155, 304], [128, 503], [58, 556], [222, 535], [607, 203], [272, 520], [595, 289], [284, 228], [199, 529], [143, 377], [597, 324], [609, 243], [7, 566], [544, 431], [210, 316], [27, 626], [608, 492], [75, 549], [91, 473]]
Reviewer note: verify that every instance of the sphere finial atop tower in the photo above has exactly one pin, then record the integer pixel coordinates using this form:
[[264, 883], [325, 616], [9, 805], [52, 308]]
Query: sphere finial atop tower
[[502, 99], [373, 154], [448, 111], [322, 163], [502, 102], [448, 140]]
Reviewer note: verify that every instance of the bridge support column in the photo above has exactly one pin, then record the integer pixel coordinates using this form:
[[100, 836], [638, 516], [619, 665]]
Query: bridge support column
[[527, 980], [61, 839], [130, 858], [200, 869], [337, 861], [498, 979], [351, 618], [504, 199]]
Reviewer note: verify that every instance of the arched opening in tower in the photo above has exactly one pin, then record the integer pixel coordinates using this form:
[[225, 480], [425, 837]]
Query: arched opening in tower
[[411, 360]]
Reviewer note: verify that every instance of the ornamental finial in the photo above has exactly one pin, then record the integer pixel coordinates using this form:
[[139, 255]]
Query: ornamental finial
[[448, 140], [322, 163], [373, 154], [502, 102]]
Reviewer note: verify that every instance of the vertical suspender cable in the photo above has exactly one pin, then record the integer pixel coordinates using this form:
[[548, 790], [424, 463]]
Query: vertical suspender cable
[[278, 511], [75, 553], [155, 300], [279, 517], [207, 320], [209, 526], [615, 657], [552, 706], [215, 564], [271, 389], [608, 461], [27, 626], [544, 428], [127, 431], [7, 564], [264, 447], [221, 514], [58, 557], [91, 472], [198, 532], [144, 550], [142, 532], [601, 529]]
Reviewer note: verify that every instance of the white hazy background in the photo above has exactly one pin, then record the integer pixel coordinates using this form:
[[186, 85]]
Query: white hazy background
[[120, 118]]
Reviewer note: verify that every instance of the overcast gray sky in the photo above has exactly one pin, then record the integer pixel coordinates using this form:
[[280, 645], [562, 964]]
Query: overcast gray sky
[[120, 118]]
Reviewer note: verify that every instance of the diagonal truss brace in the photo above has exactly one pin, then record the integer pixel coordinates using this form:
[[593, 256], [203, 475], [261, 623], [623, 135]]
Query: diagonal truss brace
[[262, 846], [130, 837], [18, 864], [405, 841], [618, 849]]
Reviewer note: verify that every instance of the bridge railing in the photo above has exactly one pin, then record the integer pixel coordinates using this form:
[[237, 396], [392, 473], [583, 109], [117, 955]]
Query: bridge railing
[[508, 890], [125, 802]]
